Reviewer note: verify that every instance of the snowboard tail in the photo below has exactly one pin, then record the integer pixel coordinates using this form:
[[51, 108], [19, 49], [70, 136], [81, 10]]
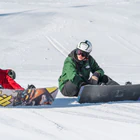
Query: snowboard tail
[[35, 96], [107, 93]]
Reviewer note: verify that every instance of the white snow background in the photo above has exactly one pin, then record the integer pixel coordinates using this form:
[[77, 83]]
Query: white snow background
[[35, 38]]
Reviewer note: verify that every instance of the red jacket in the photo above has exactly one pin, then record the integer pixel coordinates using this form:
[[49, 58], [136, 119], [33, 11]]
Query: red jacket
[[7, 82]]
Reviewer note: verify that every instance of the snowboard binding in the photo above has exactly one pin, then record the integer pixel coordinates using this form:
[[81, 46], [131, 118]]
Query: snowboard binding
[[23, 97], [128, 83]]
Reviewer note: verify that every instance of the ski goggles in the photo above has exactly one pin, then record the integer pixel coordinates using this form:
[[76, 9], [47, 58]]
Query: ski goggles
[[82, 53]]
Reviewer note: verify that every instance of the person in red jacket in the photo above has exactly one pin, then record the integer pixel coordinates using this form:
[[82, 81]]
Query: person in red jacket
[[7, 79]]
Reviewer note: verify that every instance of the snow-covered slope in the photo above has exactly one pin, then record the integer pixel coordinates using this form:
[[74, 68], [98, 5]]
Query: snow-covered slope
[[35, 38]]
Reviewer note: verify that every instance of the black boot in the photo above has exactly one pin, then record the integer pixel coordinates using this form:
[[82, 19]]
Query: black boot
[[128, 83], [107, 81]]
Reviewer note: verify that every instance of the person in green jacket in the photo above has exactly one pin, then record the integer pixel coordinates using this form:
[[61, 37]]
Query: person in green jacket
[[77, 69]]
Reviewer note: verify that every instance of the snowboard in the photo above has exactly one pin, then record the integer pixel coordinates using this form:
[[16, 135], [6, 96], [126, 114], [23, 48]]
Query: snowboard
[[107, 93], [31, 97]]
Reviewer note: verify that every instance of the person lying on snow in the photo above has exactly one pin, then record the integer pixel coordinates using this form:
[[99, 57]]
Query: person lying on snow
[[7, 80], [77, 68]]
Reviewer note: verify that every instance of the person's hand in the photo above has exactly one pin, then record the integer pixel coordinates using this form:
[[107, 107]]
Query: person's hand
[[94, 78]]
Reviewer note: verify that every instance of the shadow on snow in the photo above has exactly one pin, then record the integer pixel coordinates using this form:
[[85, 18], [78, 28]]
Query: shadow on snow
[[68, 103]]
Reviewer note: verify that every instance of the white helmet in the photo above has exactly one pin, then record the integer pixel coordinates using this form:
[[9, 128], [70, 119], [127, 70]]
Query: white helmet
[[85, 46]]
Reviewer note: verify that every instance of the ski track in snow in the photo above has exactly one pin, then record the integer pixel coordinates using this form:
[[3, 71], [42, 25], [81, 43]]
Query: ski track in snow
[[126, 44], [108, 113], [67, 128], [23, 125], [57, 46], [119, 113], [57, 125]]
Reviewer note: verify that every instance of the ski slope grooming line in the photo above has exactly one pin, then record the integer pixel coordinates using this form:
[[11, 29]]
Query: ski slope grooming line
[[57, 46], [126, 44]]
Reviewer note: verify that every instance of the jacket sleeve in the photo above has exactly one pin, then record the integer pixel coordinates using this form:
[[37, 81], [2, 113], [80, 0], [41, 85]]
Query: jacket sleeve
[[13, 84], [95, 68], [71, 72]]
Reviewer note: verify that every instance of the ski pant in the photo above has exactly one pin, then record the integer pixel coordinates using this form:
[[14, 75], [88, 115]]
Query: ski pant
[[71, 89]]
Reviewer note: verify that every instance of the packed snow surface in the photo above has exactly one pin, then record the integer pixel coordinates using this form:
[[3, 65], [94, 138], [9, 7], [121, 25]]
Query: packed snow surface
[[35, 38]]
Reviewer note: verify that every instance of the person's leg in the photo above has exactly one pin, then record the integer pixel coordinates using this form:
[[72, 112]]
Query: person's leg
[[70, 89], [107, 80]]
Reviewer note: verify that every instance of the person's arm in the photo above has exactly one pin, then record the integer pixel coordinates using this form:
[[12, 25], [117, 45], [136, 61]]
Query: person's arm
[[13, 84], [95, 68], [72, 73]]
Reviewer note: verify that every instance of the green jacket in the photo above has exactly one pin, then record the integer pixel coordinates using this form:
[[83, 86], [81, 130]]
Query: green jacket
[[78, 71]]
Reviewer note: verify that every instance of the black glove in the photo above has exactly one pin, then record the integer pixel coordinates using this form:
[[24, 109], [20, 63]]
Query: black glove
[[31, 86], [128, 83]]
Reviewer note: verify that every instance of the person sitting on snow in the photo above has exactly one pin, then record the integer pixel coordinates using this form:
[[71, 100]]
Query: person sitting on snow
[[7, 80], [77, 68]]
